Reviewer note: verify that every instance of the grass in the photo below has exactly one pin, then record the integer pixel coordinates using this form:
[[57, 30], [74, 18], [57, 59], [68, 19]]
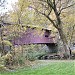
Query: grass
[[47, 68]]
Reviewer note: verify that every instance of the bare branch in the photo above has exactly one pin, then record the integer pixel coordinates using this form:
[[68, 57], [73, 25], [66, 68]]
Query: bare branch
[[49, 12], [6, 23], [66, 7], [50, 4], [2, 2], [47, 16]]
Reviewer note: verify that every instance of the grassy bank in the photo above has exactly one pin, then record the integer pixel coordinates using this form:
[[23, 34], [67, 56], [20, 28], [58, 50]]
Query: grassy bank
[[47, 68]]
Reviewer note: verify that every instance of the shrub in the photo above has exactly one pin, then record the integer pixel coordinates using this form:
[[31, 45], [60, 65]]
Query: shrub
[[2, 66], [8, 59]]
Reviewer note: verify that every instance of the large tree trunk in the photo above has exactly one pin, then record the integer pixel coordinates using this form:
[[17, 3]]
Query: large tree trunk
[[59, 27], [64, 40]]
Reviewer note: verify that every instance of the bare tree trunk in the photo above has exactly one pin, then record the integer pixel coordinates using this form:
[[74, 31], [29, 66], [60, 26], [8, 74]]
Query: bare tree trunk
[[64, 40], [59, 27]]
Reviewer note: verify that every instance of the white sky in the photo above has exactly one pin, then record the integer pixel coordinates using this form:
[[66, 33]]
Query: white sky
[[8, 5]]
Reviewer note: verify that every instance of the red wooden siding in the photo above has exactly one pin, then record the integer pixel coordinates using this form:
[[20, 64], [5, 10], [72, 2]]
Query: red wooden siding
[[34, 36]]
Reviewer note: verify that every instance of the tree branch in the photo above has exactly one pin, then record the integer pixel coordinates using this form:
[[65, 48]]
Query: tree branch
[[47, 16], [50, 4], [66, 7], [1, 3]]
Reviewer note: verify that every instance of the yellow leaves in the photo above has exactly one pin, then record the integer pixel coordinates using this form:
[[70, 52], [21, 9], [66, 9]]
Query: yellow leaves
[[70, 18], [22, 4], [20, 9], [7, 56], [69, 21], [14, 17], [24, 28], [7, 43]]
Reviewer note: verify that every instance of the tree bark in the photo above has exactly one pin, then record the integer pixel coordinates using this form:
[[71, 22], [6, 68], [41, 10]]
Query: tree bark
[[64, 40]]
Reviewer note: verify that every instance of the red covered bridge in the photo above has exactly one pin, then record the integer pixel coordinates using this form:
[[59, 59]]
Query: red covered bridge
[[35, 36]]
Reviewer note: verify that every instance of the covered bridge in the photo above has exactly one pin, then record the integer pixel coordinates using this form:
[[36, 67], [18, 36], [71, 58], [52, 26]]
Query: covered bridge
[[36, 36]]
